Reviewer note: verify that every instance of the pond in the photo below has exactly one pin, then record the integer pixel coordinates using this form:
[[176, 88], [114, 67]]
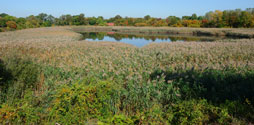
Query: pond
[[141, 40]]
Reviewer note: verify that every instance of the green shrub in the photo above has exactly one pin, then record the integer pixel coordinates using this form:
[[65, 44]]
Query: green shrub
[[154, 115], [141, 97], [82, 101], [18, 79], [194, 25], [140, 24], [22, 111], [239, 110], [24, 70], [23, 74], [197, 112], [4, 74], [5, 77], [117, 120], [121, 119], [7, 114], [213, 84]]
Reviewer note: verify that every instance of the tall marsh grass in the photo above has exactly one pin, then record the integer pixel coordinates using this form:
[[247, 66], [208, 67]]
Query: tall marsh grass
[[48, 76]]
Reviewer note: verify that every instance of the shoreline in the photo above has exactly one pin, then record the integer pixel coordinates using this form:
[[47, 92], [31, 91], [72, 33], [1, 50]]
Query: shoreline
[[228, 32]]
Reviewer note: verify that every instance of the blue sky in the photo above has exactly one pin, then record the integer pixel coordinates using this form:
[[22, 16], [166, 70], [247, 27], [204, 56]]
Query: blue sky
[[110, 8]]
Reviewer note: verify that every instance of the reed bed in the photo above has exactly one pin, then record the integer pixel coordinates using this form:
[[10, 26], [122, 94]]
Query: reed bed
[[229, 32], [138, 82]]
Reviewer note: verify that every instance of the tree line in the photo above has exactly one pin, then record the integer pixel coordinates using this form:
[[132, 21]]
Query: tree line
[[214, 19]]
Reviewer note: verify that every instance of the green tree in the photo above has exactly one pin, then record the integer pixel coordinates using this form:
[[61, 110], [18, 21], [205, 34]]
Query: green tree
[[250, 10], [194, 16], [42, 17], [209, 16], [100, 21], [3, 15], [161, 22], [50, 20], [64, 20], [21, 23], [45, 20], [32, 22], [172, 20], [245, 19], [217, 18], [92, 21], [186, 17], [151, 22], [2, 22], [236, 18], [117, 17], [75, 20], [200, 17], [5, 19], [82, 19], [101, 17], [79, 19], [147, 17]]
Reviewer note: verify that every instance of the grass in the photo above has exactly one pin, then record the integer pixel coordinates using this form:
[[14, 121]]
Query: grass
[[153, 84], [229, 32]]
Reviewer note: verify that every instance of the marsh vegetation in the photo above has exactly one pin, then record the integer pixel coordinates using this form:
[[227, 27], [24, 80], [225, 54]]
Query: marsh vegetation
[[48, 76]]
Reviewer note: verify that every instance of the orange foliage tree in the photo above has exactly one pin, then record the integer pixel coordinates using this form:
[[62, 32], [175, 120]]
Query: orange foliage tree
[[11, 24]]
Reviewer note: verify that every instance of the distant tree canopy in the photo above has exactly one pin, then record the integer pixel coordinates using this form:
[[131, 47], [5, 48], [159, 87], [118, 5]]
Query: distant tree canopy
[[3, 14], [227, 18]]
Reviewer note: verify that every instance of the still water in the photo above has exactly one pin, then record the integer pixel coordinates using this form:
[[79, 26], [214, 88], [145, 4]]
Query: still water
[[141, 40]]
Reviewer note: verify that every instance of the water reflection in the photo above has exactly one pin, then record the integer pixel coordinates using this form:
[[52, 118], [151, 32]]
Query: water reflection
[[140, 40]]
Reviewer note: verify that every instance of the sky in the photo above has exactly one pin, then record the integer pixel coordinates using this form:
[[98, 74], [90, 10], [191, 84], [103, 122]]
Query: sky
[[110, 8]]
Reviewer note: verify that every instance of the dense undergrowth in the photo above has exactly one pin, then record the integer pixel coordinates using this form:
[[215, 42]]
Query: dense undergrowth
[[177, 96], [49, 79]]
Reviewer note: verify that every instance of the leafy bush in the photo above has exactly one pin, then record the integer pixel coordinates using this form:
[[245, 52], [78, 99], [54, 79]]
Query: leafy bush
[[140, 24], [82, 101], [141, 97], [5, 77], [239, 110], [23, 110], [4, 74], [18, 77], [11, 24], [24, 71], [24, 74], [152, 116], [234, 85], [7, 113], [197, 112], [116, 120], [194, 25], [212, 84], [121, 119]]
